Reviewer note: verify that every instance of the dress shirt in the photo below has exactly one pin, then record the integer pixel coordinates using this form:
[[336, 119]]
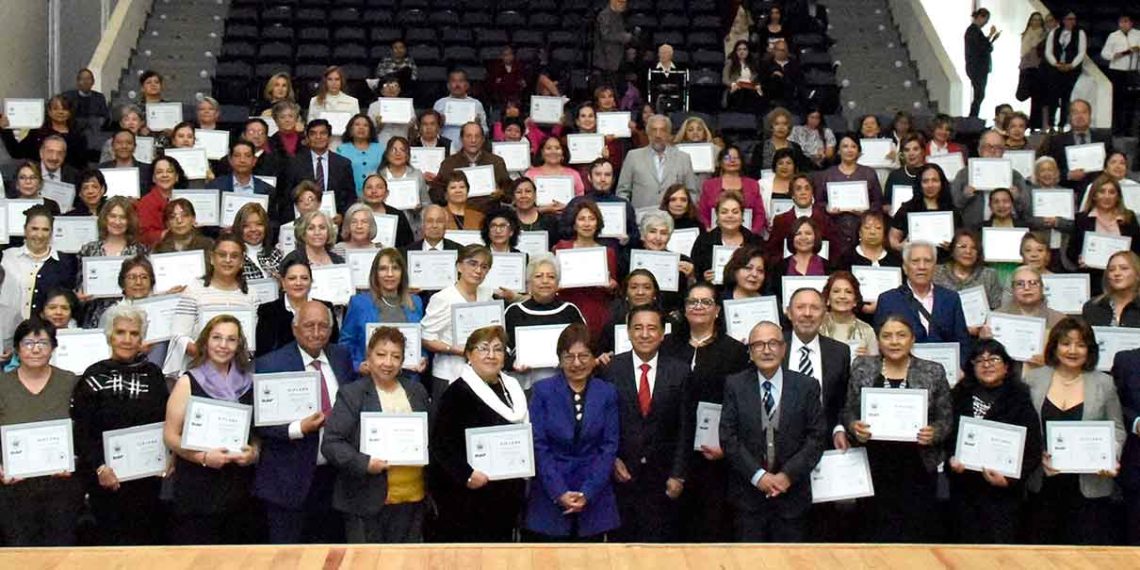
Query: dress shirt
[[1118, 42], [428, 247], [247, 188], [1066, 37], [659, 164], [927, 301], [324, 167], [777, 381], [53, 175], [813, 356], [330, 385], [637, 362], [802, 212], [22, 267]]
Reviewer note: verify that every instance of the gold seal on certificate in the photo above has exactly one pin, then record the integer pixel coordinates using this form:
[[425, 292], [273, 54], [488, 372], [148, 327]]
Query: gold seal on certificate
[[501, 452]]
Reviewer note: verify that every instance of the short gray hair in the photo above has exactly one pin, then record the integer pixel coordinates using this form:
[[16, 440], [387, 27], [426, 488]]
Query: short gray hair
[[346, 221], [654, 219], [659, 117], [539, 260], [910, 246], [989, 132], [123, 311], [213, 102]]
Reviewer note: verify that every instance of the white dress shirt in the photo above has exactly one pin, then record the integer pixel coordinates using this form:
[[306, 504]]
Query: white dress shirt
[[22, 269], [324, 166], [330, 385], [813, 356], [637, 362]]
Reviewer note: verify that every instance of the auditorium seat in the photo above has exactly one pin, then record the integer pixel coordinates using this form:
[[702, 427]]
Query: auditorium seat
[[443, 18], [346, 34], [315, 53], [458, 37], [374, 16], [491, 37], [510, 19], [385, 35], [476, 19], [460, 54], [527, 38], [544, 21]]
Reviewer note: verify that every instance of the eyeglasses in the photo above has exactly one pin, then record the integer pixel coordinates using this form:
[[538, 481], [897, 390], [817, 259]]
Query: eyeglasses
[[500, 226], [987, 361], [581, 357], [228, 256], [30, 344], [137, 277], [701, 303], [475, 264], [488, 349], [771, 345]]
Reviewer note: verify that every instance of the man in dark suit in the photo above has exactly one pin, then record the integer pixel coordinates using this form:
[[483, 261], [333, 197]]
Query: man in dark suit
[[1080, 132], [823, 359], [123, 156], [241, 178], [656, 431], [1126, 372], [434, 227], [934, 312], [334, 175], [267, 162], [430, 126], [978, 60], [292, 477], [54, 166], [772, 432]]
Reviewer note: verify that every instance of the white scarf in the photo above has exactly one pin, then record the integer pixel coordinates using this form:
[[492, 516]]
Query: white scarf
[[516, 413]]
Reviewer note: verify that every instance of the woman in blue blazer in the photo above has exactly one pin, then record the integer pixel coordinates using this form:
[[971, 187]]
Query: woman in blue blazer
[[575, 421], [386, 301]]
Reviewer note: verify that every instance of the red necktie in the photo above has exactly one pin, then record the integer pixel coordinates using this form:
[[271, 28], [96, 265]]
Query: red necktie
[[326, 402], [644, 398]]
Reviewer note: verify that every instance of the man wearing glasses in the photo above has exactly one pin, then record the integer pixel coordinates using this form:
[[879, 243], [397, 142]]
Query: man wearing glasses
[[971, 201]]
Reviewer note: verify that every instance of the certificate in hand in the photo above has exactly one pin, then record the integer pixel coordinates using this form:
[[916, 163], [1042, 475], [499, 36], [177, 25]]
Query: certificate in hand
[[841, 476], [681, 241], [192, 160], [399, 439], [338, 121], [359, 262], [551, 189], [1098, 248], [121, 181], [893, 414], [515, 155], [232, 202], [458, 112], [216, 143], [934, 227], [464, 237], [16, 217], [621, 337], [740, 315], [431, 270], [386, 227], [396, 110], [216, 424], [613, 219], [614, 123], [1003, 244], [781, 205], [990, 173], [135, 452], [535, 345], [163, 116], [951, 163], [1023, 337], [1067, 292], [534, 242], [101, 276], [413, 349], [900, 193], [265, 290], [664, 265], [403, 194], [1022, 161], [586, 147], [333, 283], [480, 180], [546, 110], [24, 113], [877, 153], [79, 348], [944, 353], [69, 234], [793, 283], [159, 310], [1052, 203], [708, 426], [508, 271], [37, 448], [1111, 341], [984, 444], [60, 193], [427, 159], [583, 267], [467, 318], [285, 397], [3, 219], [874, 281], [702, 155], [144, 149], [244, 315], [848, 196], [177, 268], [720, 256], [1086, 157], [1081, 447], [501, 452]]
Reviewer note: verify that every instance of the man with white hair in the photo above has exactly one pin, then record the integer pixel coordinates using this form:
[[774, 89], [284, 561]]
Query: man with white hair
[[971, 202], [648, 172], [934, 312]]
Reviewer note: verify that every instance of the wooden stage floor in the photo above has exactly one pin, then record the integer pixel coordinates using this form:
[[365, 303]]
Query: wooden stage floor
[[577, 557]]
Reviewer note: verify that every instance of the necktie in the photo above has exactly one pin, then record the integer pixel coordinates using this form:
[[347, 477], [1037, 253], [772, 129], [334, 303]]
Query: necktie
[[326, 402], [769, 401], [805, 362], [321, 173], [51, 176], [644, 398]]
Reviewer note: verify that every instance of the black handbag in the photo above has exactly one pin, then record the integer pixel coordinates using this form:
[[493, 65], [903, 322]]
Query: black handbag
[[1025, 84]]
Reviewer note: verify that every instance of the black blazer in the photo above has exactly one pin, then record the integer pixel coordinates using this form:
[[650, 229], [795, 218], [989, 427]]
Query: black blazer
[[702, 249], [835, 358], [275, 326], [1057, 146], [800, 436], [1011, 405], [300, 167], [357, 491], [655, 447], [978, 48], [1126, 372]]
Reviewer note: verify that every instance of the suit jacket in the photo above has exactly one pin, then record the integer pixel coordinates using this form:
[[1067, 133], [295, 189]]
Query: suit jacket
[[357, 491], [441, 142], [947, 325], [226, 184], [438, 187], [1126, 372], [1057, 146], [285, 470], [638, 180], [340, 181], [275, 326], [835, 358], [799, 440]]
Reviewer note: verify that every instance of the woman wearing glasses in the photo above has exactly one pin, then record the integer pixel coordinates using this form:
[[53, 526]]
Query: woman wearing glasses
[[1028, 300], [473, 263]]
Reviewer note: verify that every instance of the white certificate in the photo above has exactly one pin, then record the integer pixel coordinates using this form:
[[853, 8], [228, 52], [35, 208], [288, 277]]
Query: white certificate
[[585, 148], [1111, 341], [849, 196], [1023, 337], [1086, 157], [264, 290], [458, 113], [900, 193], [1003, 244], [708, 426], [1098, 248], [431, 270], [893, 414], [874, 281], [702, 155], [427, 159], [3, 217], [386, 227], [101, 276], [135, 452], [216, 424], [24, 113], [551, 189], [951, 163], [403, 194], [515, 155], [546, 110], [60, 193], [877, 153], [338, 121], [144, 150], [984, 444], [79, 348], [792, 283], [69, 234], [945, 353], [121, 181], [413, 340], [1081, 447], [192, 160], [1130, 191], [621, 337], [398, 439], [508, 271], [583, 267], [841, 476], [464, 237], [177, 268], [613, 218], [781, 205], [721, 254], [467, 318], [934, 227], [38, 448], [1066, 292], [359, 262], [285, 397], [480, 180], [16, 217], [1052, 203], [245, 315], [535, 345], [159, 315], [332, 283], [163, 116], [1022, 161], [216, 143], [501, 452], [664, 265], [328, 205], [232, 202], [614, 123], [990, 173], [532, 243], [396, 110], [740, 315], [681, 241]]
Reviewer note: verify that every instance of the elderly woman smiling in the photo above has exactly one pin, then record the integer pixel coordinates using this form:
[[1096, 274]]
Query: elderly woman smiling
[[542, 308], [656, 229]]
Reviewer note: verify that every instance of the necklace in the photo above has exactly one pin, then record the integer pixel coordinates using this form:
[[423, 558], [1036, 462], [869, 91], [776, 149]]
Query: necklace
[[906, 170], [384, 299], [699, 342]]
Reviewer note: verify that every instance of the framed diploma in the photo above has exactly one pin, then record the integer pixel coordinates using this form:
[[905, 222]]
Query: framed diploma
[[427, 159], [614, 123], [359, 262], [551, 189], [1081, 447], [16, 217], [101, 276], [848, 196], [244, 315], [793, 283], [702, 155], [163, 116], [900, 193], [535, 345], [1052, 203], [534, 243], [1022, 161], [413, 340], [877, 153], [501, 452], [285, 397], [399, 439], [158, 315], [681, 241], [338, 121], [515, 155], [177, 268], [403, 194], [480, 180], [945, 353], [1003, 244], [79, 348], [1023, 337], [613, 218], [431, 270], [508, 271], [984, 444], [990, 173], [842, 476], [192, 160], [24, 113], [69, 234], [135, 452], [621, 337], [1067, 292], [265, 290], [893, 414], [467, 318], [386, 227], [1113, 340], [874, 281], [1098, 248], [396, 110], [934, 227], [664, 265], [708, 426], [740, 315], [546, 110], [144, 149], [585, 148], [60, 193], [951, 163], [975, 305], [457, 112], [121, 181], [583, 267], [720, 256], [464, 237], [333, 283], [232, 202], [35, 449], [1086, 157], [216, 424], [216, 143]]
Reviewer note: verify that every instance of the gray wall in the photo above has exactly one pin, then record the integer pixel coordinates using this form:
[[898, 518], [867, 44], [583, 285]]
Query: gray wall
[[24, 63], [80, 31]]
